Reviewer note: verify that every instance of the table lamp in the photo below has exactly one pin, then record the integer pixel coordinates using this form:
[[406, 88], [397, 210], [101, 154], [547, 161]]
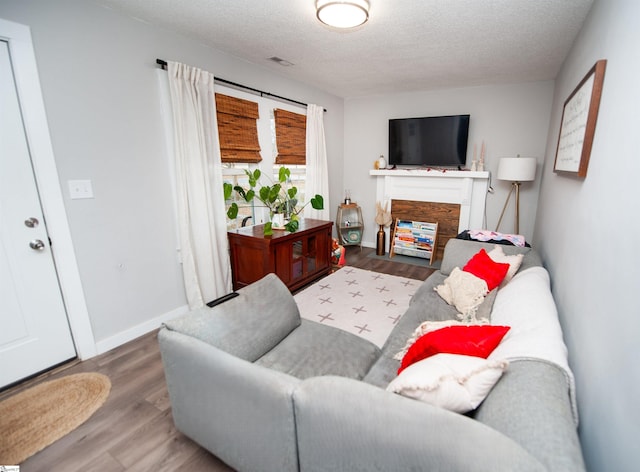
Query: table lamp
[[517, 170]]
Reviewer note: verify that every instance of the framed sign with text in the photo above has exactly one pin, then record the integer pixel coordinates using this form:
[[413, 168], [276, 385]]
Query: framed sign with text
[[578, 123]]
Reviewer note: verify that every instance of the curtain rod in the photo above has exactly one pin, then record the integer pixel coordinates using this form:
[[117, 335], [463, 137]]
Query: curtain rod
[[162, 63]]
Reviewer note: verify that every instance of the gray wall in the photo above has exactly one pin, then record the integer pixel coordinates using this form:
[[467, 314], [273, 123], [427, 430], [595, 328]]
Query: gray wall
[[510, 119], [98, 76], [587, 231]]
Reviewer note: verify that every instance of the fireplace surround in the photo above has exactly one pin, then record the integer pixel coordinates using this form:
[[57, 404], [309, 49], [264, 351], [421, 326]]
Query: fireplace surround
[[468, 189]]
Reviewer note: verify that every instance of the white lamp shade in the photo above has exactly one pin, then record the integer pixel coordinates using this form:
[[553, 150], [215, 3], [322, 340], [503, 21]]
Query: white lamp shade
[[342, 13], [517, 169]]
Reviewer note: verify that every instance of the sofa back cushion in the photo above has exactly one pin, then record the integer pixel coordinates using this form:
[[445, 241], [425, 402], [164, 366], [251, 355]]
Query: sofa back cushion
[[459, 251], [247, 326]]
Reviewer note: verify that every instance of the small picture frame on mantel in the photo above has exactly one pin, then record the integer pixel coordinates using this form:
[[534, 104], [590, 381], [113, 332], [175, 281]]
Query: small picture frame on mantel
[[578, 124]]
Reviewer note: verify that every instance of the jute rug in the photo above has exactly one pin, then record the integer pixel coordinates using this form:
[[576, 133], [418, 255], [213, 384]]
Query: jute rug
[[35, 418], [365, 303]]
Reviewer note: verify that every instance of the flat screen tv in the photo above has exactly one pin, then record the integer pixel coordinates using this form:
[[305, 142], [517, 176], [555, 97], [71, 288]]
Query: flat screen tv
[[434, 141]]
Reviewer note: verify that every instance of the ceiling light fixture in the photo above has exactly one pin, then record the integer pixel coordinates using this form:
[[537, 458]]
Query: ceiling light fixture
[[342, 14]]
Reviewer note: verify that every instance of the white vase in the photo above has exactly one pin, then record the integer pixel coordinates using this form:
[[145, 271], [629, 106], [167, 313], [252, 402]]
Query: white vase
[[382, 164], [277, 221]]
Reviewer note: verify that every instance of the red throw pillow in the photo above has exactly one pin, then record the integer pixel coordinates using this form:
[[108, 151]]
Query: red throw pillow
[[482, 266], [474, 340]]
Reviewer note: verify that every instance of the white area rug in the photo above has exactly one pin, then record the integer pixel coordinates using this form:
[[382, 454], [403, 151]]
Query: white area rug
[[367, 304]]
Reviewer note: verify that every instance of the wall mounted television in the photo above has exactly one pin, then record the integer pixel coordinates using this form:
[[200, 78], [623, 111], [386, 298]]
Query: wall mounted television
[[434, 141]]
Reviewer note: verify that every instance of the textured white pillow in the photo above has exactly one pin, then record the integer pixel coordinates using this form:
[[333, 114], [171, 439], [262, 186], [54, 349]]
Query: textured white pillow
[[497, 255], [452, 381], [465, 291]]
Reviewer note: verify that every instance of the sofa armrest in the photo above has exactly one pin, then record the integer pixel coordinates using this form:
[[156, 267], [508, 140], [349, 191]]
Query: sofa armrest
[[531, 404], [248, 325], [225, 403], [344, 424]]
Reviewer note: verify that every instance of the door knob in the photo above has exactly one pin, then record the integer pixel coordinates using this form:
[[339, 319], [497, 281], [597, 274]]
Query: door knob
[[31, 222], [36, 245]]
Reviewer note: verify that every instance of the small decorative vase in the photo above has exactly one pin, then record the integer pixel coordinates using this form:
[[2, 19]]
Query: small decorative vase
[[382, 164], [380, 242], [277, 221]]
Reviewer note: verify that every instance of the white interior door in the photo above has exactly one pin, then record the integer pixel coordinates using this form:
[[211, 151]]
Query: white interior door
[[34, 330]]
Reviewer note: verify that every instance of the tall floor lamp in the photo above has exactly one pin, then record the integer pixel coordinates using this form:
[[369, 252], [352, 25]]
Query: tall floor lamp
[[516, 170]]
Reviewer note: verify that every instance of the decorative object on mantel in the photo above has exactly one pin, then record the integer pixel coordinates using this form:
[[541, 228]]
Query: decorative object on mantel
[[478, 164], [517, 170], [380, 163], [383, 218], [280, 198], [578, 124]]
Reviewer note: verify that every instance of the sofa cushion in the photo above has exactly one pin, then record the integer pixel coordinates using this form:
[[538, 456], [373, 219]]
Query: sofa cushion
[[248, 325], [485, 268], [315, 349], [470, 340], [425, 305], [458, 252], [515, 261], [455, 382]]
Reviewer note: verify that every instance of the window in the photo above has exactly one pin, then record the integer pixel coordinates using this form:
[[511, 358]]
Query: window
[[298, 179], [235, 175], [237, 129], [282, 135], [239, 147], [291, 135]]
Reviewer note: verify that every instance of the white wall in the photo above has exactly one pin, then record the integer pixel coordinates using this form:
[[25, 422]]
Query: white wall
[[98, 76], [510, 119], [587, 231]]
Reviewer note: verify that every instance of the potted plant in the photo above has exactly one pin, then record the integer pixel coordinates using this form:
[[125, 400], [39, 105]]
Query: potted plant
[[279, 197]]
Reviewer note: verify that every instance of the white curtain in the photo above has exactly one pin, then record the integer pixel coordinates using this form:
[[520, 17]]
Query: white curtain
[[317, 176], [201, 213]]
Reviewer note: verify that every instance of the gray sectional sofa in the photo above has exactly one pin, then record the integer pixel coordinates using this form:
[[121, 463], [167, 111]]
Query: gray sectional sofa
[[265, 390]]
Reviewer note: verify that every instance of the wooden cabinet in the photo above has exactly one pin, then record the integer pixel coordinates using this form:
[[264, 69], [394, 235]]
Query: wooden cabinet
[[296, 258]]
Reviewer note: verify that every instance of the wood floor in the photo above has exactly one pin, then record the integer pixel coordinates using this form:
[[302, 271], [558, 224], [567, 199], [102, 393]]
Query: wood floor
[[133, 430]]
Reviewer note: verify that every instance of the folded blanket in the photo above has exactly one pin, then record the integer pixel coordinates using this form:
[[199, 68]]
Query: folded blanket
[[527, 306], [485, 235]]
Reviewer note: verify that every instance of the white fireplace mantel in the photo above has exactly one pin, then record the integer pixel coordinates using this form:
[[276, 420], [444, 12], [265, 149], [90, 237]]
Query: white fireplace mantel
[[466, 188]]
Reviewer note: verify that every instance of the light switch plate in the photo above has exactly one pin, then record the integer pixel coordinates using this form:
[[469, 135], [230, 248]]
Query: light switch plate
[[80, 189]]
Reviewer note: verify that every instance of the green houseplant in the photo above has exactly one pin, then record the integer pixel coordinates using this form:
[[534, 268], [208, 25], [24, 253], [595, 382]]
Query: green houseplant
[[279, 197]]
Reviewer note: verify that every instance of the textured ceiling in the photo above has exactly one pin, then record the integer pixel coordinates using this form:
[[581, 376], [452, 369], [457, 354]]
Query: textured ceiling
[[406, 45]]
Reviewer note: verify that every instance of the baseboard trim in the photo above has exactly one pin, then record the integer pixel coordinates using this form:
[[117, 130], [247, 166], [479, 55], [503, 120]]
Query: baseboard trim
[[138, 330]]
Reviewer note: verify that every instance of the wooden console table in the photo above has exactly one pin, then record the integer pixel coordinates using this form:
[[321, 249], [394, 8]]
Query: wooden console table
[[296, 258]]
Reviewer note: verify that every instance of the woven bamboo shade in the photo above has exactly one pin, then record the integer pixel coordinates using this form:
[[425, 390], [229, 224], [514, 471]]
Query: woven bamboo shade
[[291, 137], [237, 129]]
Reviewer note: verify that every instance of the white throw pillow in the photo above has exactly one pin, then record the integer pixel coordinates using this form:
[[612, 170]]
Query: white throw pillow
[[465, 291], [452, 381], [515, 261]]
